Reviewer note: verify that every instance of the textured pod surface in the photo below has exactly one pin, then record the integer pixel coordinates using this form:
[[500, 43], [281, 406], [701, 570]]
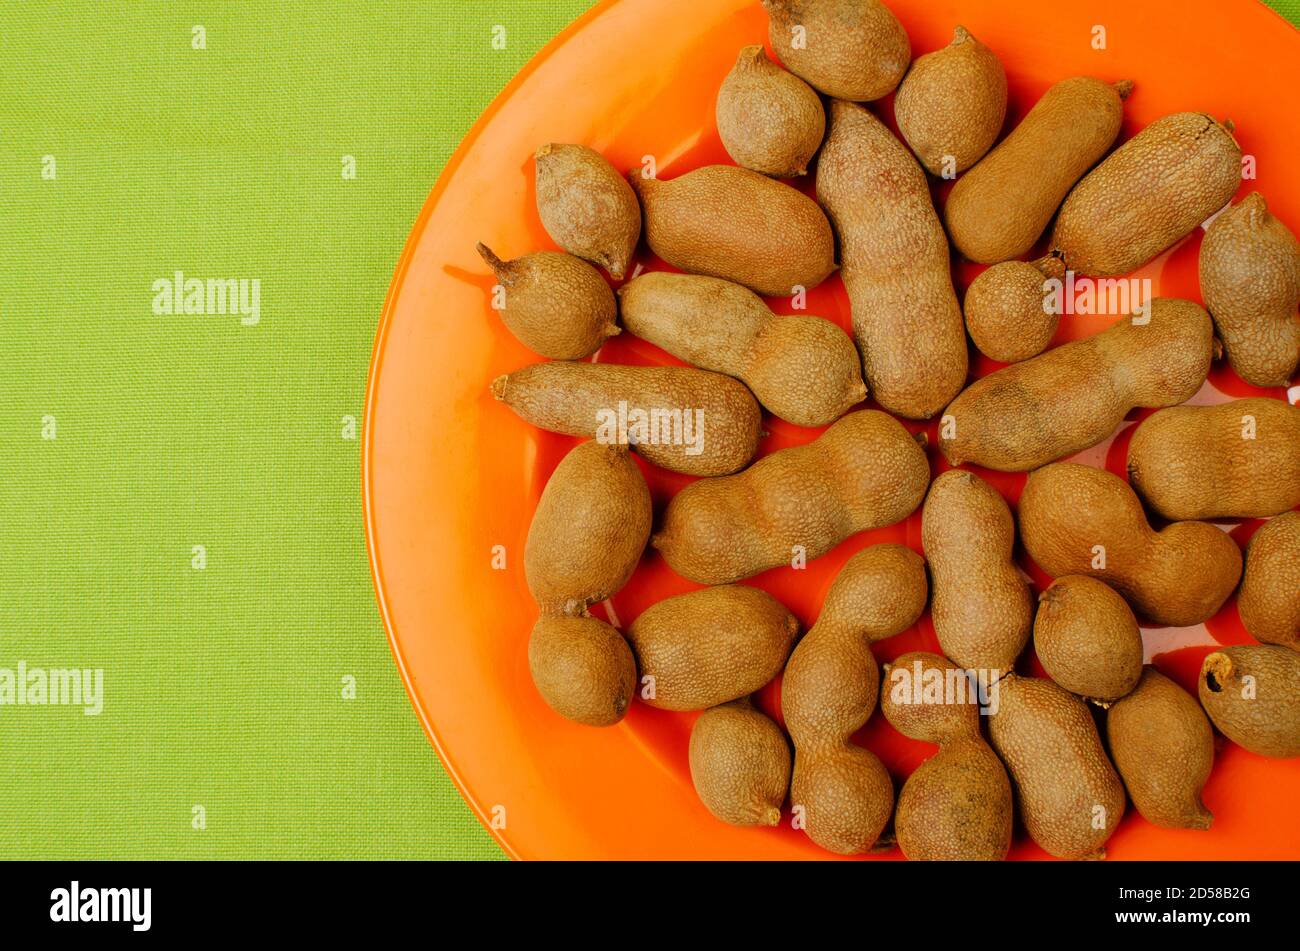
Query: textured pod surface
[[956, 806], [1075, 395], [998, 209], [582, 668], [1269, 601], [880, 591], [1149, 194], [1069, 795], [982, 609], [1250, 277], [732, 223], [1252, 693], [1076, 520], [829, 691], [680, 418], [769, 120], [928, 697], [740, 764], [711, 646], [589, 529], [1087, 639], [831, 682], [850, 49], [586, 206], [895, 265], [803, 369], [863, 472], [846, 796], [1006, 309], [1235, 460], [557, 305], [951, 104], [1164, 749]]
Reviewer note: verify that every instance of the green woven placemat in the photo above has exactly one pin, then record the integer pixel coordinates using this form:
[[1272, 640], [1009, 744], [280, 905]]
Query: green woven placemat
[[1288, 8], [179, 502], [217, 140]]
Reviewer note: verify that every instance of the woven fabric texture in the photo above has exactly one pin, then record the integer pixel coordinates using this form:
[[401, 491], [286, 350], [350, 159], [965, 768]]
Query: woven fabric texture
[[179, 501]]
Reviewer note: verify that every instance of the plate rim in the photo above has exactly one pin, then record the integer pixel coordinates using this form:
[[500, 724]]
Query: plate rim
[[378, 350]]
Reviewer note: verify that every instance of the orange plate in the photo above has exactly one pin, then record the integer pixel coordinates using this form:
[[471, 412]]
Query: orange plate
[[449, 475]]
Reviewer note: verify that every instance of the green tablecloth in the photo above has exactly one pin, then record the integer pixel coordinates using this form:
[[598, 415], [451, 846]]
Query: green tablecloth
[[179, 502]]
